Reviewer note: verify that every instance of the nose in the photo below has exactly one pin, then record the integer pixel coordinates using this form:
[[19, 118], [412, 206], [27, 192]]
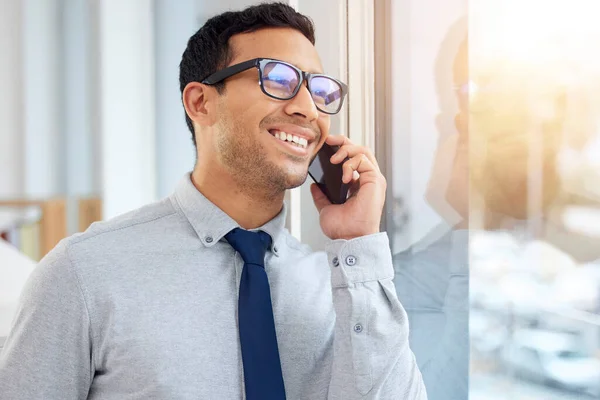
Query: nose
[[302, 105]]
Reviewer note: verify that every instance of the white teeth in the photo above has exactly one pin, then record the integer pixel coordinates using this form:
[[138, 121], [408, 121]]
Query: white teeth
[[288, 137]]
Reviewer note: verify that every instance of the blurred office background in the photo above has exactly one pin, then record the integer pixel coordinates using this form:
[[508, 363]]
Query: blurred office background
[[484, 117]]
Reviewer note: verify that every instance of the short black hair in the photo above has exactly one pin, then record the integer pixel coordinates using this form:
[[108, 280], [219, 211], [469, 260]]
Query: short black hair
[[208, 49]]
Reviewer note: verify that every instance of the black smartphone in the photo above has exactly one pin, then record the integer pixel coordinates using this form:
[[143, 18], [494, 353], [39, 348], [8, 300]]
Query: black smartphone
[[328, 176]]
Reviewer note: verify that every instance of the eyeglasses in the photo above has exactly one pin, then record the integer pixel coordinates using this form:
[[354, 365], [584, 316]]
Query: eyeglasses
[[282, 81]]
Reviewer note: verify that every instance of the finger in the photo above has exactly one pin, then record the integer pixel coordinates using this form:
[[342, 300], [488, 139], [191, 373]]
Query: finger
[[354, 185], [337, 140], [361, 164], [349, 150], [352, 150], [319, 197]]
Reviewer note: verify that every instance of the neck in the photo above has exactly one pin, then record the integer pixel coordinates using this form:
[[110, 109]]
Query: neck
[[251, 209]]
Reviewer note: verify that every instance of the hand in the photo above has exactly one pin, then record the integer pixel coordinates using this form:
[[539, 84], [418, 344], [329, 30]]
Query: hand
[[361, 214]]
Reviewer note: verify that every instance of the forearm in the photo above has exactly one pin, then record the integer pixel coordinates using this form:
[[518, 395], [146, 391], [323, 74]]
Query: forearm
[[372, 358]]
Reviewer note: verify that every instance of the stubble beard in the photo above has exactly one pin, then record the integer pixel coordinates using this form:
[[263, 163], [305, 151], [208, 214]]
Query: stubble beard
[[246, 160]]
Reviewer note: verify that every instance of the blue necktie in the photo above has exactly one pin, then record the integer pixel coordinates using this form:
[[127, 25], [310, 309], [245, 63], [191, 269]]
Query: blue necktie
[[260, 354]]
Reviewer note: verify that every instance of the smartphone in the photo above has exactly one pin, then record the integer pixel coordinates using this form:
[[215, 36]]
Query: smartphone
[[328, 176]]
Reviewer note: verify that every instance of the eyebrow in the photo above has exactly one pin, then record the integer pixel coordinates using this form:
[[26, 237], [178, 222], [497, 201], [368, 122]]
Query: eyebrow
[[310, 71]]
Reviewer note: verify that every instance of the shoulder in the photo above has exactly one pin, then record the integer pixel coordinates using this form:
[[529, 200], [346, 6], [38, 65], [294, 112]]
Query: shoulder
[[148, 217], [143, 227], [121, 238], [293, 245]]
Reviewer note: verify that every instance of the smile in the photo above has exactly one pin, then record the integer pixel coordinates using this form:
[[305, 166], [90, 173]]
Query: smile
[[290, 138]]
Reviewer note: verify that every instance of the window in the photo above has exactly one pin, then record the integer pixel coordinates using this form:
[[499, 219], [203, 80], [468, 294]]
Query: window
[[487, 125]]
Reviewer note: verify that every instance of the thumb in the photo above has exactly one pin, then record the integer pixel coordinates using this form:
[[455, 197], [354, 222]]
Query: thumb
[[319, 197]]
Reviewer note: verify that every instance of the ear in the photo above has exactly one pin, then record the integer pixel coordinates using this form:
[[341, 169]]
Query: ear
[[199, 102]]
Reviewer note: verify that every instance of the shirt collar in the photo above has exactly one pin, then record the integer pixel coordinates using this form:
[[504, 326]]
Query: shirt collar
[[211, 223]]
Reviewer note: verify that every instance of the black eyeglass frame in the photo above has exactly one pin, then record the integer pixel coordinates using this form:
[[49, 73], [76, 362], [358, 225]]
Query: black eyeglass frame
[[260, 63]]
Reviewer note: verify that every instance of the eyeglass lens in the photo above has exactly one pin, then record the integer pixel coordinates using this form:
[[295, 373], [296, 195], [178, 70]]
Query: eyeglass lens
[[281, 81]]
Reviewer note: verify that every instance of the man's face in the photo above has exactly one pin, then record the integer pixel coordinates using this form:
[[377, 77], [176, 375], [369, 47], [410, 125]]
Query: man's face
[[248, 120]]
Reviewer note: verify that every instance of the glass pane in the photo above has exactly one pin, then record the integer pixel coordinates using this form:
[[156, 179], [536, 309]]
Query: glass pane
[[427, 177], [533, 155], [494, 170]]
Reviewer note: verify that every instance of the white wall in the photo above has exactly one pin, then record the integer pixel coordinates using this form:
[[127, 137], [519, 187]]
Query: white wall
[[209, 8], [174, 23], [11, 111], [31, 143], [81, 162], [78, 88], [127, 104], [44, 168], [46, 138]]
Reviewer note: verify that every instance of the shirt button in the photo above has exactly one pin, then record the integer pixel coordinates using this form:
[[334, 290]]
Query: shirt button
[[351, 260], [275, 251], [335, 262], [358, 328], [208, 239]]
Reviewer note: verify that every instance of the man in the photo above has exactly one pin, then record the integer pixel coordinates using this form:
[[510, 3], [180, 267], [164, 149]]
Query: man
[[146, 306]]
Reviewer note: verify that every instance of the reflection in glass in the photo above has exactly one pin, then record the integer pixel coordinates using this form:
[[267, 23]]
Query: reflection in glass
[[502, 295], [432, 276]]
